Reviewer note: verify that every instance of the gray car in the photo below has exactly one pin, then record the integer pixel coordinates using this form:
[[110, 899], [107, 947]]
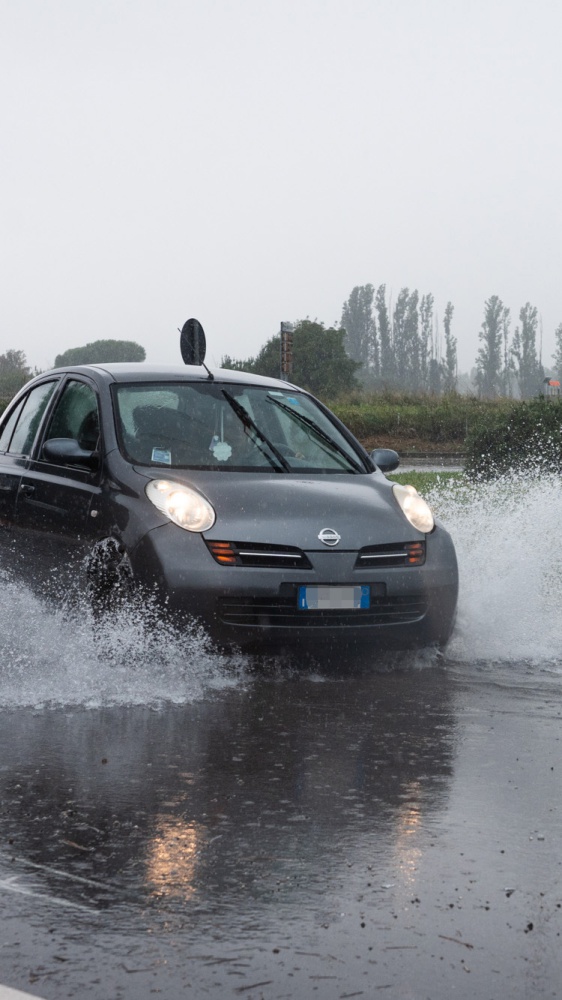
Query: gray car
[[233, 500]]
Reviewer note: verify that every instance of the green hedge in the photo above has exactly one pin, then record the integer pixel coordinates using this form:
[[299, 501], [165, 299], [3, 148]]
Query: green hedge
[[529, 434], [449, 419]]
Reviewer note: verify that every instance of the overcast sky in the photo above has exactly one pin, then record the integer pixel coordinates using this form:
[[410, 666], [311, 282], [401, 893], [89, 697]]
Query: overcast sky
[[251, 161]]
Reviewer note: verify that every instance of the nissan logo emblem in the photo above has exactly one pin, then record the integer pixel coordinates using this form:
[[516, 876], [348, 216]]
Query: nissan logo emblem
[[329, 537]]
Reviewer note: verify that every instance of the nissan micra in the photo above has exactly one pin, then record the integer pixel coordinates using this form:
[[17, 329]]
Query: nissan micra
[[238, 502]]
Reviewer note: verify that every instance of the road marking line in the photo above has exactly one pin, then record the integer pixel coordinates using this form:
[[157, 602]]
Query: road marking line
[[11, 886], [8, 994]]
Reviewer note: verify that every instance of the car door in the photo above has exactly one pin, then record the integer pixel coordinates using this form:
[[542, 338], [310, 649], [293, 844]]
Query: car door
[[56, 503], [18, 430]]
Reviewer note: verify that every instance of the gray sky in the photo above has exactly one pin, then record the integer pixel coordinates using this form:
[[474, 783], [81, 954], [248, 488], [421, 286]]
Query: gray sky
[[250, 161]]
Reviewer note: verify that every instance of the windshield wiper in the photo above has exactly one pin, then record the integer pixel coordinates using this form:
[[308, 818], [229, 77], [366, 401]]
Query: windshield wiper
[[242, 413], [317, 432]]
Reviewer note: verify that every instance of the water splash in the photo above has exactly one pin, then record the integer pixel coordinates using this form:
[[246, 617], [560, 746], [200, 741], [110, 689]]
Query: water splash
[[506, 535], [50, 656]]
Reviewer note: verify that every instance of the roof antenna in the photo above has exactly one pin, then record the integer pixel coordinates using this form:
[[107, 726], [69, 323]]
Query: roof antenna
[[193, 345]]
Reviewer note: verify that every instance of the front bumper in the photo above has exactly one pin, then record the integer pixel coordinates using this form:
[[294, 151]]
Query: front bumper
[[257, 606]]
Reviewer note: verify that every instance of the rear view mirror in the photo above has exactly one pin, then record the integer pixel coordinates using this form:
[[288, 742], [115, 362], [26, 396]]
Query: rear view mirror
[[386, 459]]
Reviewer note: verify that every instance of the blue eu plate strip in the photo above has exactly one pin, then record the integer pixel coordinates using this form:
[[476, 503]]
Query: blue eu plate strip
[[331, 597]]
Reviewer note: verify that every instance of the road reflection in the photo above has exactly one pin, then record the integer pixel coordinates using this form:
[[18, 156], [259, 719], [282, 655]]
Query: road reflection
[[264, 792], [172, 855]]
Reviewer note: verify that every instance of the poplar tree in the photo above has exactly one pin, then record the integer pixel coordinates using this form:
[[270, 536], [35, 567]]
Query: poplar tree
[[528, 370], [450, 363], [435, 375], [412, 343], [387, 361], [426, 338], [361, 341], [400, 337], [557, 356], [489, 359]]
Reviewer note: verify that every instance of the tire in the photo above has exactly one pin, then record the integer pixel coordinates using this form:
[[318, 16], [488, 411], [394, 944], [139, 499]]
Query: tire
[[110, 577]]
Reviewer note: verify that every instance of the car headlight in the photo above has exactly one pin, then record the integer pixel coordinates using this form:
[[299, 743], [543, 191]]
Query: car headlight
[[414, 507], [183, 505]]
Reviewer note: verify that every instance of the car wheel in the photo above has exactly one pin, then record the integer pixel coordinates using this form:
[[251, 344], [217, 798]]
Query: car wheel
[[440, 629], [110, 576]]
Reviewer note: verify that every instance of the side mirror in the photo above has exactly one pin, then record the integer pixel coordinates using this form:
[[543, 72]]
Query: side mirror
[[67, 451], [386, 459]]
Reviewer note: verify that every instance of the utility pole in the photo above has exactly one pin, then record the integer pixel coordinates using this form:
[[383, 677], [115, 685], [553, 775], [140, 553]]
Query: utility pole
[[286, 365]]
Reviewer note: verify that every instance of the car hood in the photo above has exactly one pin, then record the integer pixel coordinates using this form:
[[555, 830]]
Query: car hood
[[292, 510]]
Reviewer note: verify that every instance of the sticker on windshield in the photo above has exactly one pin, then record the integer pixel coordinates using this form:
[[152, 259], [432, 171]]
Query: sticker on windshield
[[281, 395], [162, 456]]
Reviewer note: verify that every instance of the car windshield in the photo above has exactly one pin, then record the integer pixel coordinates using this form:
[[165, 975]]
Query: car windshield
[[219, 426]]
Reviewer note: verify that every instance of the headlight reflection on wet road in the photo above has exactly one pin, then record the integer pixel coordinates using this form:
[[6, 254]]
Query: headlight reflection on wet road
[[171, 857]]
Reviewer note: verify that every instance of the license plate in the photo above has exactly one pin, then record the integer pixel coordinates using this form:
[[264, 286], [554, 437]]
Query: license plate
[[340, 598]]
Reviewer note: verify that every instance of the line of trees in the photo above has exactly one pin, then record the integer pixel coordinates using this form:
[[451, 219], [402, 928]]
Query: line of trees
[[402, 348], [378, 345], [507, 367], [399, 347]]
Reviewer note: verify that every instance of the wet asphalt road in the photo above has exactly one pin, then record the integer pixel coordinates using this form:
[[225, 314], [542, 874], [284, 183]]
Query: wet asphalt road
[[392, 833]]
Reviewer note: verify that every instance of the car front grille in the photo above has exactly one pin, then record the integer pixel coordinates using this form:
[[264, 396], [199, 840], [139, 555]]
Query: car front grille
[[390, 554], [258, 554], [270, 556], [282, 612]]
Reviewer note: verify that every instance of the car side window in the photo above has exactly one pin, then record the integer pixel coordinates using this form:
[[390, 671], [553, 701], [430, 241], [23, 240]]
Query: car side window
[[8, 428], [76, 416], [29, 418]]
